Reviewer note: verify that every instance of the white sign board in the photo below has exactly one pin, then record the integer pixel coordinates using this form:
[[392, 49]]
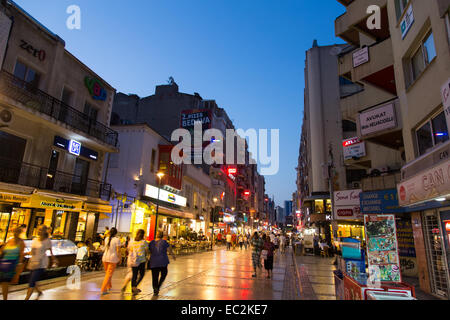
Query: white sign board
[[378, 119], [347, 205], [428, 185], [353, 148], [5, 27], [164, 195], [407, 21], [445, 92], [360, 57]]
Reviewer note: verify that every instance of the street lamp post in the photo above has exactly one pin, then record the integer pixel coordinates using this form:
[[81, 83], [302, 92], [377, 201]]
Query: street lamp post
[[160, 175], [212, 224]]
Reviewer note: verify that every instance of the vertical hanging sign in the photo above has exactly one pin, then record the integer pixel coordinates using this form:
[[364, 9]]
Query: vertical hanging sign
[[5, 27], [445, 92]]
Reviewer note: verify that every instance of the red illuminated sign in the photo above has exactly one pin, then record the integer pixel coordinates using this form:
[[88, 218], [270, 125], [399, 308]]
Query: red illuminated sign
[[232, 170], [447, 226], [246, 193], [350, 142]]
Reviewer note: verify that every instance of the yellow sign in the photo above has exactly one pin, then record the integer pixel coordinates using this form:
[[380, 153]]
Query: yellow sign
[[37, 201], [14, 197], [97, 207]]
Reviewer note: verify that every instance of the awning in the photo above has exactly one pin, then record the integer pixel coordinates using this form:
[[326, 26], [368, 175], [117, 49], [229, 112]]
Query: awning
[[96, 207], [103, 216], [175, 213], [56, 203]]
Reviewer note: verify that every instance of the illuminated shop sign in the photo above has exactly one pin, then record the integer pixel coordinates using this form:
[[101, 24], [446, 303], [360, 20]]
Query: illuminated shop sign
[[75, 148], [95, 89], [190, 117], [164, 195], [353, 148]]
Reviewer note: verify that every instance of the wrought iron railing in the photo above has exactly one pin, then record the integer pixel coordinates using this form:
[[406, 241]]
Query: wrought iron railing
[[40, 101], [26, 174]]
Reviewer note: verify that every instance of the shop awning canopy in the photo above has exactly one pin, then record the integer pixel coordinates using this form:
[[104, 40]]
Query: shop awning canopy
[[175, 213]]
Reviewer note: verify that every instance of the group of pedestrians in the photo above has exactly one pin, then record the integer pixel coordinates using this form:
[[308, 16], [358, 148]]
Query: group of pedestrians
[[233, 240], [138, 251], [12, 261], [263, 248]]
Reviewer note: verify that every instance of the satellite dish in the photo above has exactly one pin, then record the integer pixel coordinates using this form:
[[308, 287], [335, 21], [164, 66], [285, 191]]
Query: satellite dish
[[335, 51]]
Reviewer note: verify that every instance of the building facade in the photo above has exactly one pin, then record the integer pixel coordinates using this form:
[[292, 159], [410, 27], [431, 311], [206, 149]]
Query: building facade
[[54, 133]]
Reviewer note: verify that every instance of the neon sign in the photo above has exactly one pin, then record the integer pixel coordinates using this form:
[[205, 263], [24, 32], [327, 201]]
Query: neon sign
[[74, 147]]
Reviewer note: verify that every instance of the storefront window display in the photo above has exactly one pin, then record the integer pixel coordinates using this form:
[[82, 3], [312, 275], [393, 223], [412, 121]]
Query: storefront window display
[[318, 205], [350, 231], [10, 219]]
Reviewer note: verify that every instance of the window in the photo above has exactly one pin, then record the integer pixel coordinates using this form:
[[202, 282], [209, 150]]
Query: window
[[423, 56], [400, 6], [152, 163], [67, 96], [432, 133], [27, 74], [90, 111]]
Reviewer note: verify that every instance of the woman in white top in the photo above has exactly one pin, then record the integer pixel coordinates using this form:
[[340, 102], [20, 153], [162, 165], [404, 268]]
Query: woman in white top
[[111, 257], [39, 260]]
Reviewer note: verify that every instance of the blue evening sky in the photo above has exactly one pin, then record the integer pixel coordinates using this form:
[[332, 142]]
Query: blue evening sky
[[248, 55]]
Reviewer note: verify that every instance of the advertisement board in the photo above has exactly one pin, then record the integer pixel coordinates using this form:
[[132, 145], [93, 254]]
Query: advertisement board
[[189, 117], [407, 21], [360, 57], [406, 248], [5, 27], [164, 195], [378, 119], [379, 202], [347, 205], [382, 248], [445, 93], [353, 148]]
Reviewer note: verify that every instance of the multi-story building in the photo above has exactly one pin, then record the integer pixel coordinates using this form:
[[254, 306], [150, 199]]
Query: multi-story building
[[403, 69], [54, 133], [233, 185]]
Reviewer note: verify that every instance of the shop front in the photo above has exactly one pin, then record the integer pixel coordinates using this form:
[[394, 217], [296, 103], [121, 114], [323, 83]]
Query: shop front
[[11, 213], [318, 214], [88, 219], [426, 197], [60, 214]]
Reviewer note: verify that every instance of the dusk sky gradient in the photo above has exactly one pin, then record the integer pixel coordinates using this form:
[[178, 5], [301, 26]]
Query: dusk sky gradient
[[247, 55]]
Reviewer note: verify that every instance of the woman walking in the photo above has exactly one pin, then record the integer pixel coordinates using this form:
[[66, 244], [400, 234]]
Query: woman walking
[[39, 260], [241, 241], [159, 261], [269, 247], [111, 257], [12, 254], [137, 252], [257, 246]]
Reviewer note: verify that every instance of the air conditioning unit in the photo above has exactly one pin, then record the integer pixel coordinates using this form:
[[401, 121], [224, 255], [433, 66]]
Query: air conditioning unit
[[6, 117], [356, 185]]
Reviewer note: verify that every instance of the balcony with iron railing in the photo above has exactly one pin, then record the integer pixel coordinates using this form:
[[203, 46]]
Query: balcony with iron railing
[[29, 175], [37, 100]]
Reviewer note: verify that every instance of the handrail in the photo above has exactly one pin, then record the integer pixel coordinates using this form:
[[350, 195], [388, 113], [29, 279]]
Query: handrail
[[36, 99]]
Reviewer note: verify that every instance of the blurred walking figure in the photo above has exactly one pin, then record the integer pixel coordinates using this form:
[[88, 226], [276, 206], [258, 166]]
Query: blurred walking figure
[[245, 241], [257, 245], [159, 261], [229, 238], [268, 250], [137, 252], [12, 254], [282, 243], [39, 260], [241, 241], [111, 257]]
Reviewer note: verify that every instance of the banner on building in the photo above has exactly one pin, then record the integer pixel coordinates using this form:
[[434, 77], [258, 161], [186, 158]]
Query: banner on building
[[347, 205], [445, 93], [190, 117], [360, 57], [380, 202], [378, 119], [353, 148], [5, 27]]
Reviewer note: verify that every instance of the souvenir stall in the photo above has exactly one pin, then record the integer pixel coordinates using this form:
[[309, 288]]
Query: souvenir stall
[[382, 279]]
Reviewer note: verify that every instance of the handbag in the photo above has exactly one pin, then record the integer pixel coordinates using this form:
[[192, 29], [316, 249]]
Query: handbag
[[264, 254]]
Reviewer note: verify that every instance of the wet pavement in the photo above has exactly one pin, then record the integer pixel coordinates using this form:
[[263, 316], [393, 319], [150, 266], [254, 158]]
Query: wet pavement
[[214, 275]]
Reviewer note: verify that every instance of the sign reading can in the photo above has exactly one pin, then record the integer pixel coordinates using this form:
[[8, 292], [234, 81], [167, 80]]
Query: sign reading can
[[378, 119], [360, 57]]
